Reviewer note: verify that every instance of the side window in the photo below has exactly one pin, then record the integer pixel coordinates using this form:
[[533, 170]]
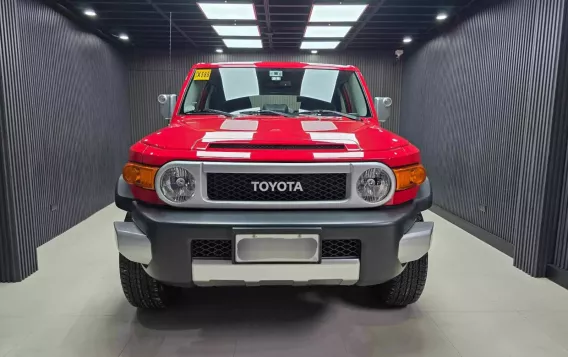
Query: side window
[[356, 96], [193, 95]]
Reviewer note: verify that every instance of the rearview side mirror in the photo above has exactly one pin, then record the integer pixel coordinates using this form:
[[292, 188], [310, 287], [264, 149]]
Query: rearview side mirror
[[383, 107], [167, 105]]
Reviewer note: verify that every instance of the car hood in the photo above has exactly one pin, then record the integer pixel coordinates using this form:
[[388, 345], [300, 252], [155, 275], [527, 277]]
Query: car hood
[[198, 133]]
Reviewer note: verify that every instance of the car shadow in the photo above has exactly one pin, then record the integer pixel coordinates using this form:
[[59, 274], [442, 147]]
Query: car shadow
[[234, 307]]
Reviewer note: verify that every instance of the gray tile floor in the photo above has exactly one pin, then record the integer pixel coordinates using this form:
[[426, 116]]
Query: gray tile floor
[[476, 304]]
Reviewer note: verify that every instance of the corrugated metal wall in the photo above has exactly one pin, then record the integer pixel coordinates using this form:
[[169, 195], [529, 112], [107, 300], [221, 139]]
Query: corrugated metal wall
[[561, 246], [560, 258], [17, 255], [536, 217], [150, 76], [478, 101], [66, 128]]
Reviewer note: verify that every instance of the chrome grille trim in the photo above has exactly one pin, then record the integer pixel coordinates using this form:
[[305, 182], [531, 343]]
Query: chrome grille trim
[[199, 170]]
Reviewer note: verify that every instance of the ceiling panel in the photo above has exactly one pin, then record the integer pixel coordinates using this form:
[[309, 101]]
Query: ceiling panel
[[282, 23]]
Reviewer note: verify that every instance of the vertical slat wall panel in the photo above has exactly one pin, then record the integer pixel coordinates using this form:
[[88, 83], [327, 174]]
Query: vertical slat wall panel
[[463, 99], [67, 127], [478, 102], [536, 211], [560, 258], [561, 248], [150, 76], [18, 256], [84, 140]]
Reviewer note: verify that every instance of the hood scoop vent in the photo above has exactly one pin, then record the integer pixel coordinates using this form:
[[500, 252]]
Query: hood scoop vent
[[276, 146]]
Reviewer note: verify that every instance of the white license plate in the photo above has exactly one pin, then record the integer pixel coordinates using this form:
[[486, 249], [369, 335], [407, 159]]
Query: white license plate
[[264, 248]]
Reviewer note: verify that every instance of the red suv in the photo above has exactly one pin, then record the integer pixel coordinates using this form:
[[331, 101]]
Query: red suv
[[273, 173]]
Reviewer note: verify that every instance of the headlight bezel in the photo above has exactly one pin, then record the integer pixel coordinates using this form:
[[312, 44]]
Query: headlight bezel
[[193, 170], [387, 171], [373, 185], [186, 183]]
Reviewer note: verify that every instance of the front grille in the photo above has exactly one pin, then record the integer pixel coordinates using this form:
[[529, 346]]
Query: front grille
[[341, 248], [222, 248], [211, 249], [277, 147], [240, 187]]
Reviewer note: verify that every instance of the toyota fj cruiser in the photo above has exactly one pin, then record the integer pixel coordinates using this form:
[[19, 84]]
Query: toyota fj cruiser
[[273, 173]]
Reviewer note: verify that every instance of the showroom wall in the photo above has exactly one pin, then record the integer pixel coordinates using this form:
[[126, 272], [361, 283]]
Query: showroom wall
[[150, 75], [65, 129], [480, 102], [561, 244], [560, 260]]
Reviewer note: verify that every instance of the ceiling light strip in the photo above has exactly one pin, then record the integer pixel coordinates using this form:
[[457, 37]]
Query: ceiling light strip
[[336, 13], [319, 45], [326, 31], [237, 30], [227, 11], [242, 43]]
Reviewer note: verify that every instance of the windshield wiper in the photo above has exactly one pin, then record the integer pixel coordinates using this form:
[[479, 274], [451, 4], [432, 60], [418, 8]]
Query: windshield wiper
[[330, 112], [265, 111], [210, 111]]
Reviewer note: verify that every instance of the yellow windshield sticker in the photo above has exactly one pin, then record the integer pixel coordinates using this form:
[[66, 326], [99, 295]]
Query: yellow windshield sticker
[[202, 75]]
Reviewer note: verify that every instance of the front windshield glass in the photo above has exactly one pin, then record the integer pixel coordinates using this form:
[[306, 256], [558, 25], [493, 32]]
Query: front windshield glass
[[288, 91]]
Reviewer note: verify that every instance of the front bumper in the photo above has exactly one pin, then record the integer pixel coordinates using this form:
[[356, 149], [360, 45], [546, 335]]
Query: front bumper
[[160, 238]]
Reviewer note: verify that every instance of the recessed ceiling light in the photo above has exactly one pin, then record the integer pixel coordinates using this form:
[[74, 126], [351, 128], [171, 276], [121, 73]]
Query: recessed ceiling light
[[123, 37], [327, 31], [226, 11], [237, 30], [90, 12], [219, 50], [254, 43], [407, 39], [336, 13], [441, 16], [319, 45], [314, 52]]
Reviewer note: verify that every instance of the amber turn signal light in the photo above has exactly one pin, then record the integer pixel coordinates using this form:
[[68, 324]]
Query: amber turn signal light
[[409, 176], [139, 175]]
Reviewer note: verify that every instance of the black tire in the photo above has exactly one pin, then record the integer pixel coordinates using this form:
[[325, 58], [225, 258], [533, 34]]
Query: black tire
[[140, 289], [406, 288]]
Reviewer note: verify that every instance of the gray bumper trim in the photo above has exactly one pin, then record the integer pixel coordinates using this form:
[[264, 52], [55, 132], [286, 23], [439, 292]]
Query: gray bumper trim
[[132, 242], [416, 242], [328, 272], [134, 245]]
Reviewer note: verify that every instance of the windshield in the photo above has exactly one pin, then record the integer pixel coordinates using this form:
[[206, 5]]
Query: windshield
[[266, 90]]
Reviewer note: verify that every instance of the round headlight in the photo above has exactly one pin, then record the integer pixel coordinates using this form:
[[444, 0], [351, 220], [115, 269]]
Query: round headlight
[[177, 184], [374, 185]]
